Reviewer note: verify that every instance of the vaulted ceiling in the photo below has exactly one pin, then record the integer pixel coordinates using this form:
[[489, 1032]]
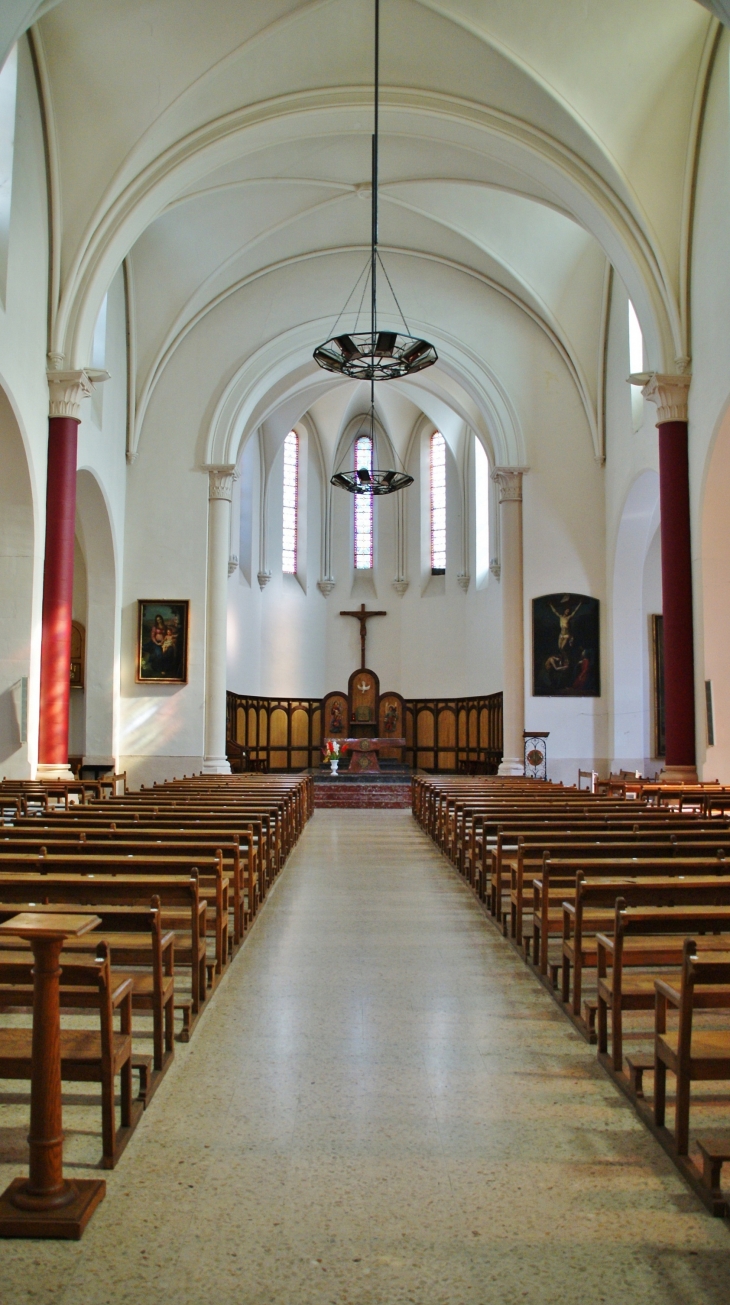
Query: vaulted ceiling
[[223, 149]]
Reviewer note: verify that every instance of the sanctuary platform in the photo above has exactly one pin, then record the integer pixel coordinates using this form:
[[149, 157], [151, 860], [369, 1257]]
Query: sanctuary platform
[[388, 788]]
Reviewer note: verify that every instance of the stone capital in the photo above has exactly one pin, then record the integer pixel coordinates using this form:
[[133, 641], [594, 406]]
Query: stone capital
[[509, 480], [66, 390], [669, 393], [220, 483], [326, 586]]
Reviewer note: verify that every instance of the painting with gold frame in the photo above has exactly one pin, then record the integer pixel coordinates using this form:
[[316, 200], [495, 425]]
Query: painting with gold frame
[[162, 641]]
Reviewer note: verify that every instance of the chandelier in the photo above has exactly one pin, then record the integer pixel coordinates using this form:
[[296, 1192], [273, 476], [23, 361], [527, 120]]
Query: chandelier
[[374, 355]]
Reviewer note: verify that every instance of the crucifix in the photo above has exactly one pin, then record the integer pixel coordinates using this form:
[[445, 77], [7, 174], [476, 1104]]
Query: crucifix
[[362, 616]]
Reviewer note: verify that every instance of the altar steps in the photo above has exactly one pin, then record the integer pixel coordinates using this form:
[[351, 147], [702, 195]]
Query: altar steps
[[361, 795]]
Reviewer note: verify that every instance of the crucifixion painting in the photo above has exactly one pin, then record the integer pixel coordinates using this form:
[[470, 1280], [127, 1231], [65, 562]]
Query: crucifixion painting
[[363, 617]]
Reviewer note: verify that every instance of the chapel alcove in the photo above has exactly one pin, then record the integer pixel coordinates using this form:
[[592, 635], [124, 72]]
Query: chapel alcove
[[16, 593], [715, 536]]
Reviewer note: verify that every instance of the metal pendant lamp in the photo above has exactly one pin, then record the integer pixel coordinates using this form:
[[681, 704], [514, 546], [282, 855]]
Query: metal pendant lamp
[[374, 355]]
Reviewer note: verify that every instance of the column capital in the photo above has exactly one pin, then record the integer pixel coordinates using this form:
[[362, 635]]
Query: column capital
[[220, 482], [66, 390], [509, 480], [669, 393]]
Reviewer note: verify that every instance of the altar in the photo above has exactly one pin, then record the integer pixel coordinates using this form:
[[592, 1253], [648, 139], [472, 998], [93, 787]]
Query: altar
[[365, 722], [365, 752]]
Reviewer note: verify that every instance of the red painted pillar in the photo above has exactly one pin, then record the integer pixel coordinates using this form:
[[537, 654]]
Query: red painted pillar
[[67, 389], [670, 395]]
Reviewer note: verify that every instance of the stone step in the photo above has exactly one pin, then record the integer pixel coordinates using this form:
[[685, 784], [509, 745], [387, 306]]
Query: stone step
[[362, 795]]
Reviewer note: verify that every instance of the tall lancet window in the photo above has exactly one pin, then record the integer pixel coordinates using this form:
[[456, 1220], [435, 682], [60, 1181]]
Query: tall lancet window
[[364, 508], [291, 504], [438, 504]]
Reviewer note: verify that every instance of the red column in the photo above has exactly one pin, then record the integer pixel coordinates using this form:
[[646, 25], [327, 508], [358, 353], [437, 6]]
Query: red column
[[58, 579], [670, 395]]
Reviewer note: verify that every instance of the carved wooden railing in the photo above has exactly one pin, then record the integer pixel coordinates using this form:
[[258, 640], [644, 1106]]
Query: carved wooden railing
[[442, 734]]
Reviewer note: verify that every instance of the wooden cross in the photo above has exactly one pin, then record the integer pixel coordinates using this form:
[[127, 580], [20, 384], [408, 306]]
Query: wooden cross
[[362, 616]]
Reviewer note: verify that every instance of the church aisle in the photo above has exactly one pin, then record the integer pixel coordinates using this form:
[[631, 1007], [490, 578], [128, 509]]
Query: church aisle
[[381, 1107]]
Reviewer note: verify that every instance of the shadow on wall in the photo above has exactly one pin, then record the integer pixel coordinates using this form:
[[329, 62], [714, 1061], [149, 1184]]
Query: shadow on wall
[[16, 587], [715, 536]]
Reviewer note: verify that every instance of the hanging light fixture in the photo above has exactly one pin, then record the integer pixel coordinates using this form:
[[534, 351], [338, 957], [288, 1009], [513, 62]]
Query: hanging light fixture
[[374, 355]]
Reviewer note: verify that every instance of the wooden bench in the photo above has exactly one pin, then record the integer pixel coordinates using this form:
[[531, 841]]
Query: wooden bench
[[691, 1055], [134, 937], [178, 893], [646, 936], [672, 883]]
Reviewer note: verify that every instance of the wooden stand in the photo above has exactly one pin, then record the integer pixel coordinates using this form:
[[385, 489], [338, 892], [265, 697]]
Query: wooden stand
[[44, 1204]]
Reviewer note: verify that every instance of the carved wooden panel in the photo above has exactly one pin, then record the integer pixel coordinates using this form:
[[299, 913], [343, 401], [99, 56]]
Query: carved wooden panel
[[391, 722], [364, 692], [336, 724]]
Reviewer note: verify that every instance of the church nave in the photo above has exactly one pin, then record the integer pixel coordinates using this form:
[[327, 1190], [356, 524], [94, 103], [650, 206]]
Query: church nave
[[382, 1105]]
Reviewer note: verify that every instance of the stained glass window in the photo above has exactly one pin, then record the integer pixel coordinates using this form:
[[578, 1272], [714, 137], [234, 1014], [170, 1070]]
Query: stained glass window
[[438, 504], [291, 504], [363, 508]]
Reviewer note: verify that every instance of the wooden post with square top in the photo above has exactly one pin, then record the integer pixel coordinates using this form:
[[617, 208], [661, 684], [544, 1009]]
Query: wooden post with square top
[[45, 1204]]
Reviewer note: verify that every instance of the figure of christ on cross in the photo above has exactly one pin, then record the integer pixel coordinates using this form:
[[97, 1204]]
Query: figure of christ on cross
[[363, 617]]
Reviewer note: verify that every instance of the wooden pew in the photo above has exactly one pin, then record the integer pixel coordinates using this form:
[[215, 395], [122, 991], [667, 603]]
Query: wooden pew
[[209, 871], [692, 884], [648, 937], [691, 1055], [134, 937], [137, 844], [178, 893], [528, 862]]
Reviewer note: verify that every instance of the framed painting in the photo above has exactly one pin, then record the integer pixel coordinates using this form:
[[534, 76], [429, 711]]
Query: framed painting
[[565, 646], [162, 641]]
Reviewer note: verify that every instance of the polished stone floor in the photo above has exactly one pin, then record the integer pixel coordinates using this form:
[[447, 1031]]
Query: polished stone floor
[[382, 1106]]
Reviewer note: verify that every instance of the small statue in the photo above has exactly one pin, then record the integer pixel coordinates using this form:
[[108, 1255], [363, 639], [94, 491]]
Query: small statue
[[336, 721]]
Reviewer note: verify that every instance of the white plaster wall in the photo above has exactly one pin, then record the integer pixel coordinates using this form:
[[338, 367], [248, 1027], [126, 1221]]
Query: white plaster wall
[[708, 407], [165, 544], [101, 504], [632, 505], [651, 605], [563, 517], [23, 342]]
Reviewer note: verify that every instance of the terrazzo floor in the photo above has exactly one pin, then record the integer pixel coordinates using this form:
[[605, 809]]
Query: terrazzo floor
[[382, 1106]]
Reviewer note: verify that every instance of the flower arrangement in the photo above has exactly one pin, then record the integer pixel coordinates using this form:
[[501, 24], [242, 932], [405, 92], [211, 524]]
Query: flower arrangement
[[331, 750]]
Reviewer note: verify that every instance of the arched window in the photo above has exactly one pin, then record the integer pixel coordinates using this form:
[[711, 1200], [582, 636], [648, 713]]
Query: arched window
[[438, 504], [636, 364], [291, 504], [364, 508], [481, 504], [8, 90]]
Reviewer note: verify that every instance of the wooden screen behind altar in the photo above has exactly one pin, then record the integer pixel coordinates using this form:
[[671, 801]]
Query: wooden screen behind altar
[[442, 734]]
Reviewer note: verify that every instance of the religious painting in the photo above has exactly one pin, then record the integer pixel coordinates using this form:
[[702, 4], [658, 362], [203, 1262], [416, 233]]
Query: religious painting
[[78, 654], [565, 646], [162, 641]]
